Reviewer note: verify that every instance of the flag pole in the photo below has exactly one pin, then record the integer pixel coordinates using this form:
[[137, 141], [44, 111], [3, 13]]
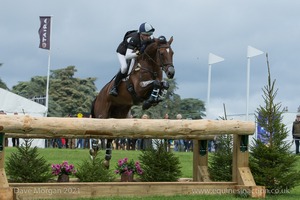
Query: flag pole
[[48, 70], [251, 52], [248, 88], [47, 86], [208, 92], [212, 59]]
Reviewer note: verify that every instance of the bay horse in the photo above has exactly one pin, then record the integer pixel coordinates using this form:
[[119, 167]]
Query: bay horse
[[144, 80]]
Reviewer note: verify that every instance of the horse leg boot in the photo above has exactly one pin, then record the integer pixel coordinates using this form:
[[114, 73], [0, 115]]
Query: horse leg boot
[[108, 153], [153, 97], [163, 91], [114, 90]]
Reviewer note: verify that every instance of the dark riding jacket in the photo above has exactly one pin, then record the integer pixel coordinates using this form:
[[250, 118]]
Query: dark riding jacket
[[132, 40]]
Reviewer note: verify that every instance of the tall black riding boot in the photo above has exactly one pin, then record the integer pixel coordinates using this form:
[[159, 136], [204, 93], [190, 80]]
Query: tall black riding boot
[[114, 90]]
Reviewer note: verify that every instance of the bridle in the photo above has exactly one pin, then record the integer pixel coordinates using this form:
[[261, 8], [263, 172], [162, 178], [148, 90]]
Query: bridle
[[164, 66]]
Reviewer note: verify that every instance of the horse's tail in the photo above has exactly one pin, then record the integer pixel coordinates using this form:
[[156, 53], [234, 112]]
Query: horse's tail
[[92, 108]]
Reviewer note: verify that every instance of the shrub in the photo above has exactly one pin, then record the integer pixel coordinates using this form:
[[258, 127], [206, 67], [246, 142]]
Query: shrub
[[220, 167], [159, 164], [27, 166], [93, 170]]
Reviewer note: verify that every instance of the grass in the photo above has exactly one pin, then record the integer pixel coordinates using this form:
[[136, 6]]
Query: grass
[[76, 156]]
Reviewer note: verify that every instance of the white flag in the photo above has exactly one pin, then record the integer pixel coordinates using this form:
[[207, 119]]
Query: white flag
[[212, 59], [251, 52]]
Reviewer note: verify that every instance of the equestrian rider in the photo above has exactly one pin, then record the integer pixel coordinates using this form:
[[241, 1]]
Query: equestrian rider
[[133, 44]]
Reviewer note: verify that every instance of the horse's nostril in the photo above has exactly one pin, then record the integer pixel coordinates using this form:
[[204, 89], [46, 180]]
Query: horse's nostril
[[170, 75], [171, 72]]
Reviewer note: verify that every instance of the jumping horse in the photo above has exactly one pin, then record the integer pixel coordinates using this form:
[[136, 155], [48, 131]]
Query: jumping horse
[[143, 81]]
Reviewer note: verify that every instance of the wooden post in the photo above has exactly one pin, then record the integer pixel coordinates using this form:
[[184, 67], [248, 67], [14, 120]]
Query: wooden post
[[200, 161], [5, 191], [241, 172]]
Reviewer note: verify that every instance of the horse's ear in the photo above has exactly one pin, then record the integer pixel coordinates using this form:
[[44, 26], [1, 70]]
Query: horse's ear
[[170, 41]]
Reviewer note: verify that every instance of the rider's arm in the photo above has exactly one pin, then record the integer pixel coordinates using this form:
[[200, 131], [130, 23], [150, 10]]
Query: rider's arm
[[133, 44], [130, 54]]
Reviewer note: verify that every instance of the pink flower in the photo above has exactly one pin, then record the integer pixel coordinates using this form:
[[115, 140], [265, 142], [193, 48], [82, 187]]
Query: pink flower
[[128, 167], [64, 168]]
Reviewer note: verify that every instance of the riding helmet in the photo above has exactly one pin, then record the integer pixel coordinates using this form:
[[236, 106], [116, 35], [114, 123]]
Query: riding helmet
[[146, 29]]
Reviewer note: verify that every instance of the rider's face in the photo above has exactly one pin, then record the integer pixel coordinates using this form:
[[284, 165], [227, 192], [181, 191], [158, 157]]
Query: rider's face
[[145, 37]]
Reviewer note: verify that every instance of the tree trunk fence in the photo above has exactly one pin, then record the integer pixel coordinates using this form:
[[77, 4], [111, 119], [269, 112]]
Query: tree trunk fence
[[199, 130]]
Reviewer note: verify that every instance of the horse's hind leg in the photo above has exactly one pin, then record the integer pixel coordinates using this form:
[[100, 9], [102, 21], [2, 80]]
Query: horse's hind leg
[[108, 152]]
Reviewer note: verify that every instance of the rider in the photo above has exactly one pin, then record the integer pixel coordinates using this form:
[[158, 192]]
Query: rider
[[134, 43]]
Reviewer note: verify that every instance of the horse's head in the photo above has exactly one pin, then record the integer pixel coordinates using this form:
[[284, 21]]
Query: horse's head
[[165, 54], [161, 54]]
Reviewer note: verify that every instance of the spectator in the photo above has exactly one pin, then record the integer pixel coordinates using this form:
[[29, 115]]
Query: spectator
[[15, 141], [80, 141], [143, 144], [169, 141], [296, 132], [179, 144]]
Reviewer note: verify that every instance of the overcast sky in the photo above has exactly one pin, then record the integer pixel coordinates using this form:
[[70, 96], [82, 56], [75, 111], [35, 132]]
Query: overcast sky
[[86, 34]]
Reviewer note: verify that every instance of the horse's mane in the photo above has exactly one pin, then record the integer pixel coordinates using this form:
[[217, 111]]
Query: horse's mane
[[151, 48]]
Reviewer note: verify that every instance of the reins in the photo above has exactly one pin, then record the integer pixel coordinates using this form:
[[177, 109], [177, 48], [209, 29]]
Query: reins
[[163, 65]]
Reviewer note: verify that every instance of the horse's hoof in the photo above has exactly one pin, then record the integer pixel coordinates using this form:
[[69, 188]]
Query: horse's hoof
[[92, 152], [146, 106], [106, 164]]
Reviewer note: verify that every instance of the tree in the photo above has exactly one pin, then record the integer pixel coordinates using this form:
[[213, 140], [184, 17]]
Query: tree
[[72, 94], [220, 167], [192, 108], [159, 164], [35, 87], [67, 94], [272, 163], [26, 165], [2, 84]]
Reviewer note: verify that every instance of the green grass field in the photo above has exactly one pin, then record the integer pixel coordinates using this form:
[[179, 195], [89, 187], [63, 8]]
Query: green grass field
[[76, 156]]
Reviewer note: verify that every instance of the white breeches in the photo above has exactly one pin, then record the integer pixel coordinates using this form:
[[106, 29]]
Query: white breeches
[[122, 60]]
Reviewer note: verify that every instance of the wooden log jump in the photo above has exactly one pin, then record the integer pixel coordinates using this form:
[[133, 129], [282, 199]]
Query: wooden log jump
[[198, 130], [53, 127]]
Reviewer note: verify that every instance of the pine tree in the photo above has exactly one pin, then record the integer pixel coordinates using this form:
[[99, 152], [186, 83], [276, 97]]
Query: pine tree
[[159, 164], [220, 166], [27, 166], [272, 163], [93, 170]]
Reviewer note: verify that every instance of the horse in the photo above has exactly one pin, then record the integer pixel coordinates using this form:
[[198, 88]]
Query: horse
[[144, 82]]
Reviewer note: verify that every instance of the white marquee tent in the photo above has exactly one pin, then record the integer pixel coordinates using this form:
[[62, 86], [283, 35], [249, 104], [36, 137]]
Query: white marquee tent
[[12, 103]]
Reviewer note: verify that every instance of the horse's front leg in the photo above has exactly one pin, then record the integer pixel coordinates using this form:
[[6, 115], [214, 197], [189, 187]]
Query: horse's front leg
[[156, 94], [108, 152]]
